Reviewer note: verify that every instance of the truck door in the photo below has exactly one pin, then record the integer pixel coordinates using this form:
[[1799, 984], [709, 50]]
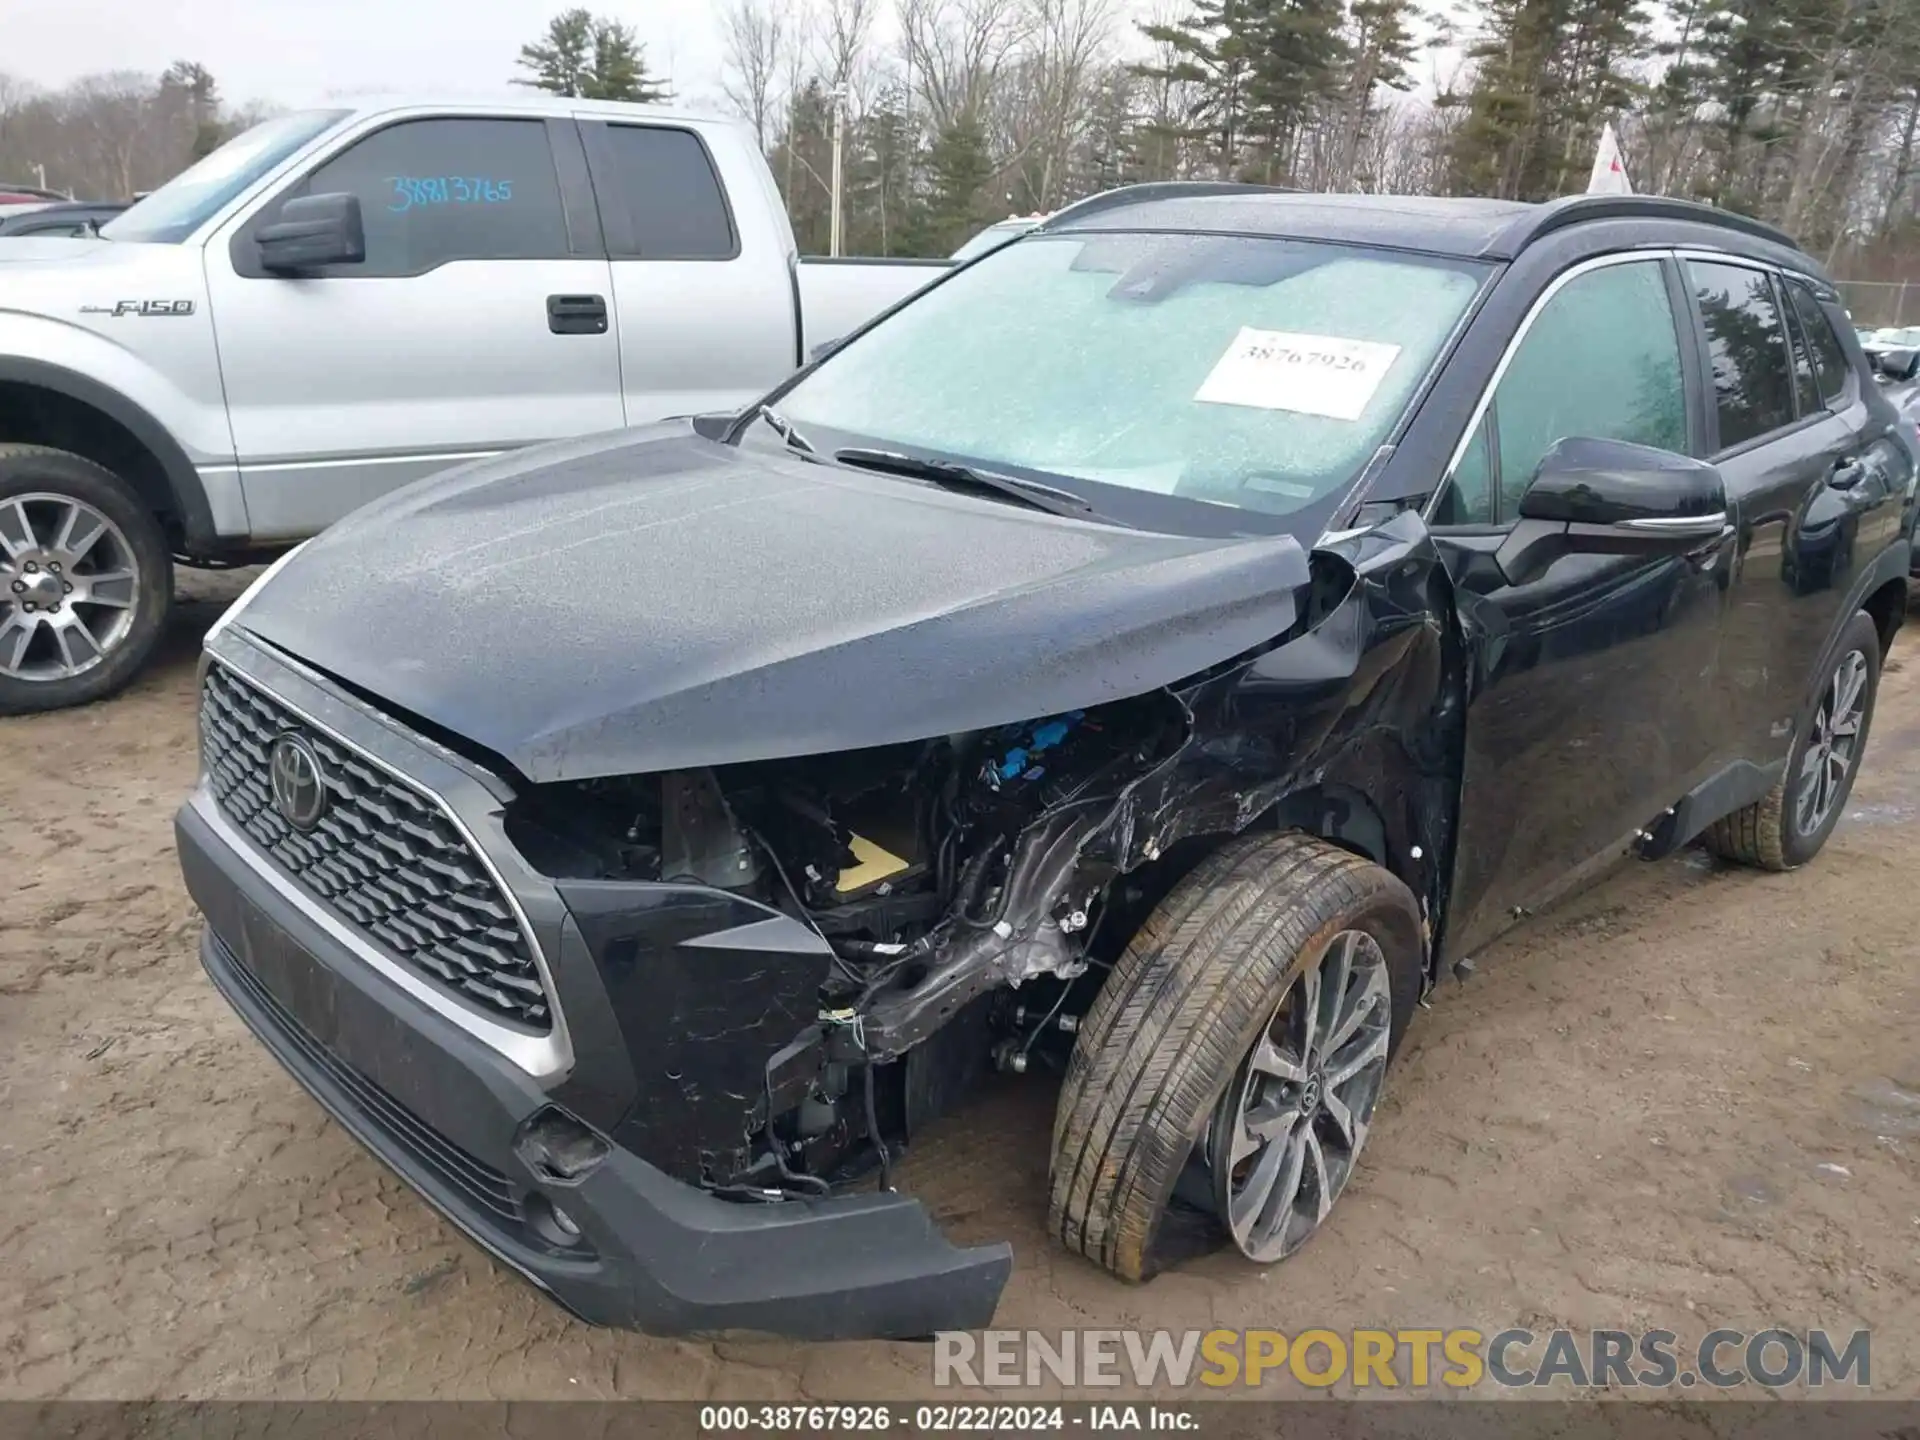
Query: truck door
[[479, 320], [703, 282], [1589, 684]]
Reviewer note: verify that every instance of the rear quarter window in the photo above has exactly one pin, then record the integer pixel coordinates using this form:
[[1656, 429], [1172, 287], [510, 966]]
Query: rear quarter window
[[1830, 366]]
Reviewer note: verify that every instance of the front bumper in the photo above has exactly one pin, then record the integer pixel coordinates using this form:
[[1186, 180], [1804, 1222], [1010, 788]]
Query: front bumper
[[444, 1110]]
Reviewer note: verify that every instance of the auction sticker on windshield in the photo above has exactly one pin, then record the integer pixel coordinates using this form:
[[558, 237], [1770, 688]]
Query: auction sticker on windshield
[[1307, 374]]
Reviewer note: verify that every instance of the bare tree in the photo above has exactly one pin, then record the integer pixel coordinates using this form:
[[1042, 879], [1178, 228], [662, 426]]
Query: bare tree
[[958, 51], [845, 32], [1069, 40], [753, 32]]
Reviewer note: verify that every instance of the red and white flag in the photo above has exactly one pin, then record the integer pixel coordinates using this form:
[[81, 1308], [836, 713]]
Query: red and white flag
[[1609, 170]]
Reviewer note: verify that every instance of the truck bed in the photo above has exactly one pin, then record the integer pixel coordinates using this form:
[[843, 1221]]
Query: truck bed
[[838, 296]]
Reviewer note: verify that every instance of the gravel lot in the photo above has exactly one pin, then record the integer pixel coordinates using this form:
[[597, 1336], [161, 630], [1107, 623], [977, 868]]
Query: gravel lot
[[1687, 1099]]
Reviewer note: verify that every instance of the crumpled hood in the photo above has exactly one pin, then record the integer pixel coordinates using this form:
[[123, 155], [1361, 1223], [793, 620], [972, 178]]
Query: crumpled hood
[[651, 600]]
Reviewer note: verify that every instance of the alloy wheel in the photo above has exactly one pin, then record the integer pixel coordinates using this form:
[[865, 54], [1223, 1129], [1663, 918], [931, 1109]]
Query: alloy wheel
[[1832, 745], [69, 586], [1283, 1141]]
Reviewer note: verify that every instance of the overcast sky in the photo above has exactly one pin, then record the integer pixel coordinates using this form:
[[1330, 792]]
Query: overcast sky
[[296, 52]]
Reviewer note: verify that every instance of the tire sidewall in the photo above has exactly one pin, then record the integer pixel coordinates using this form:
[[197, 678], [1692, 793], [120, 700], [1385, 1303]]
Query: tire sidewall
[[1863, 635], [1391, 916], [58, 473]]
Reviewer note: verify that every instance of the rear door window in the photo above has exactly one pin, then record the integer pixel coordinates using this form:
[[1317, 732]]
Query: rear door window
[[1747, 340], [665, 182]]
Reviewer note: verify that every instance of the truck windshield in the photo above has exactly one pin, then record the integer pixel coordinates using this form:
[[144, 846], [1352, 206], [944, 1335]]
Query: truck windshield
[[189, 200], [1250, 372]]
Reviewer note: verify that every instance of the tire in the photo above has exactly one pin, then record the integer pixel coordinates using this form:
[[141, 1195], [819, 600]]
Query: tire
[[1175, 1028], [1776, 832], [95, 647]]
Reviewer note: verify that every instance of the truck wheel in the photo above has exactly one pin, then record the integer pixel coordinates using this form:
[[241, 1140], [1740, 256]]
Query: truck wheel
[[1245, 1032], [85, 580], [1787, 828]]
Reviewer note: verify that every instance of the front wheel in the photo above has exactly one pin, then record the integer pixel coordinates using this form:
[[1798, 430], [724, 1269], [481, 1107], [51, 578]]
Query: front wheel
[[1243, 1039], [1789, 826], [85, 580]]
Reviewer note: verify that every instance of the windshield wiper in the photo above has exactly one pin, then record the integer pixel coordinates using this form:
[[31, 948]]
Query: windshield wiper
[[783, 427], [955, 476]]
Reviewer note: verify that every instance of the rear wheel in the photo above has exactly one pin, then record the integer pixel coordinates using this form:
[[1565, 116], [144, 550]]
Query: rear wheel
[[1789, 826], [1240, 1043], [85, 580]]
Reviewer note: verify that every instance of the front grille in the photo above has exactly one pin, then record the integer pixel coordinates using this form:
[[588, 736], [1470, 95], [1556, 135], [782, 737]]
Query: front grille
[[383, 856], [484, 1187]]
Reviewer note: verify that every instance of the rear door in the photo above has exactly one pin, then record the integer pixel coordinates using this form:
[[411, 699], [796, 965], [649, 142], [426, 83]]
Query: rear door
[[703, 289], [478, 322], [1590, 695], [1808, 478]]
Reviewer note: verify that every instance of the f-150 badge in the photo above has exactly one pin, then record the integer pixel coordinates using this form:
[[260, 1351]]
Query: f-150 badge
[[141, 307]]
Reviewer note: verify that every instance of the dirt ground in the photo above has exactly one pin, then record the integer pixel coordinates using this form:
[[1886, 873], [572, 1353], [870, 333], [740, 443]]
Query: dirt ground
[[1687, 1099]]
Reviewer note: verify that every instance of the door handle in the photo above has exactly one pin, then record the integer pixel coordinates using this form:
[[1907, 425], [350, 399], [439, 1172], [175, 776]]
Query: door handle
[[1847, 474], [577, 314]]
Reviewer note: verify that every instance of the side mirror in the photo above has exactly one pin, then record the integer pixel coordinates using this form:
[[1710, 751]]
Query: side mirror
[[1610, 497], [1898, 364], [311, 231]]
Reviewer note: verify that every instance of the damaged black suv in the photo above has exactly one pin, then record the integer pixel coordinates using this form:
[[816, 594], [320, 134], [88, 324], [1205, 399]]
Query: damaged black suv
[[1158, 651]]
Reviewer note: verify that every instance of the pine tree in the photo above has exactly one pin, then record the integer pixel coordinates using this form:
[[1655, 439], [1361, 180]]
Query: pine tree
[[1207, 53], [1547, 75], [589, 57], [1380, 49], [1295, 63], [960, 170], [194, 83]]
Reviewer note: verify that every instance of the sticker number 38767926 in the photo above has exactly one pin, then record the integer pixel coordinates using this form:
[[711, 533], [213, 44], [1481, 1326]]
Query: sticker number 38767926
[[1307, 374], [411, 191]]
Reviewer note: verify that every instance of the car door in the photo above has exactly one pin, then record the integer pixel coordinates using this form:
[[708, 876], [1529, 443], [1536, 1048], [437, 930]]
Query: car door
[[1589, 685], [477, 322], [1811, 497], [702, 289]]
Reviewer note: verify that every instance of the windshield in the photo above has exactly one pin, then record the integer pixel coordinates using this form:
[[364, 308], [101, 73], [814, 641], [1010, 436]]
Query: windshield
[[187, 201], [991, 236], [1255, 373]]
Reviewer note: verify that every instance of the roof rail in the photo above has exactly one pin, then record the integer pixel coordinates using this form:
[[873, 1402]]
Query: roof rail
[[1579, 209], [1156, 190]]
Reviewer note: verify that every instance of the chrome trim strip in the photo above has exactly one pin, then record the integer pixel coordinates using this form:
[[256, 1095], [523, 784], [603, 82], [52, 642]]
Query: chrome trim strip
[[1554, 287], [1704, 525], [349, 457], [546, 1057]]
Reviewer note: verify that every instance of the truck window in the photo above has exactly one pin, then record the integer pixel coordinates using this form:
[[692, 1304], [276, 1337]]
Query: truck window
[[665, 181], [433, 191]]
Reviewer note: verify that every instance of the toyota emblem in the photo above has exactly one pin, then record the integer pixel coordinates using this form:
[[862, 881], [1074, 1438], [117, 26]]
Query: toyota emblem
[[299, 791]]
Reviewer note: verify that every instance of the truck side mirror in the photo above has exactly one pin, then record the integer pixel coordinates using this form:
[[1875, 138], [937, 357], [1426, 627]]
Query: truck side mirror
[[311, 231]]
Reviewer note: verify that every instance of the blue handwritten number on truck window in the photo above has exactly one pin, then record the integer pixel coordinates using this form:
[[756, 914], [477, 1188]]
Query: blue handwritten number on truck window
[[413, 191]]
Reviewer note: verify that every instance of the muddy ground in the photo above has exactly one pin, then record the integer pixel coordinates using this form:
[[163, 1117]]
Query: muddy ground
[[1686, 1099]]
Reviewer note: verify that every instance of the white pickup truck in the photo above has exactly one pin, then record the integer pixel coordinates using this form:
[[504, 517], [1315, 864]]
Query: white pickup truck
[[341, 301]]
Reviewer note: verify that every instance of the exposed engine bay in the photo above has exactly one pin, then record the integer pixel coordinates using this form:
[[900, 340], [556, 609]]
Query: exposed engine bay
[[944, 876], [813, 956]]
